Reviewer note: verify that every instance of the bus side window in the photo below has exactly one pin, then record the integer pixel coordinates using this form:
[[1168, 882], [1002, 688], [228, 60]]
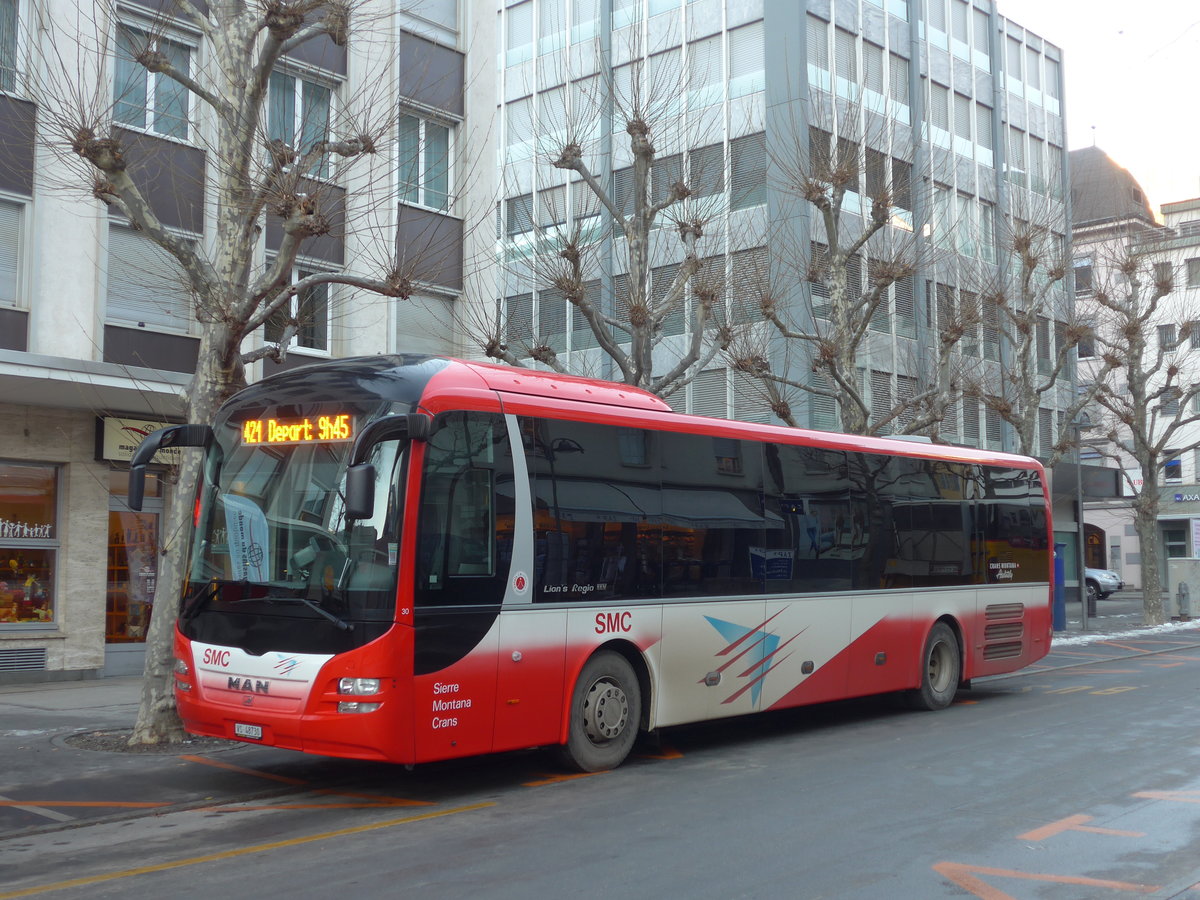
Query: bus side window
[[465, 514], [470, 548]]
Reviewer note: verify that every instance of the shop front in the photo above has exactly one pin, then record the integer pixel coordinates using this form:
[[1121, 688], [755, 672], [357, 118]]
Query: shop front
[[78, 568], [132, 548]]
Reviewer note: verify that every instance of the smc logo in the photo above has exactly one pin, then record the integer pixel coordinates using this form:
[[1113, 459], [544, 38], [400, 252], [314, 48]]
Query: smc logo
[[606, 623], [213, 657]]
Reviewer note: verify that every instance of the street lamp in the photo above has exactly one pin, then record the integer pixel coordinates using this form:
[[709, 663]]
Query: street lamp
[[1080, 425]]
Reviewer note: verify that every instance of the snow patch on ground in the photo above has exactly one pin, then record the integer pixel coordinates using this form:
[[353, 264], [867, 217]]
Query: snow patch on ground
[[1074, 640]]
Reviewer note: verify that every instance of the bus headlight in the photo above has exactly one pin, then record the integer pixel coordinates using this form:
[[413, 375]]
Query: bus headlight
[[361, 687], [353, 706]]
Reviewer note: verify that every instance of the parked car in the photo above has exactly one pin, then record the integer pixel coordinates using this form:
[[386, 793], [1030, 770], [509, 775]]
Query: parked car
[[1101, 582]]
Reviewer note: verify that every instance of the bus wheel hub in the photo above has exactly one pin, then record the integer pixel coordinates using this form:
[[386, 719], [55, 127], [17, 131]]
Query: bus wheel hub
[[606, 710]]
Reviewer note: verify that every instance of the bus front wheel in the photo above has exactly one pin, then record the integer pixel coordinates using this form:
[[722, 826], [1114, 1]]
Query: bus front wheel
[[941, 670], [606, 708]]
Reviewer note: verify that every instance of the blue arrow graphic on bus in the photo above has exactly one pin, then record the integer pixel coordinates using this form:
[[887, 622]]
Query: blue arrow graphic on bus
[[760, 646]]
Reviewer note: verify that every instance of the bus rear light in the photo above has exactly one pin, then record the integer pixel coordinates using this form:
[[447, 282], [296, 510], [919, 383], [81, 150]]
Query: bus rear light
[[181, 667], [353, 706], [183, 686], [359, 687]]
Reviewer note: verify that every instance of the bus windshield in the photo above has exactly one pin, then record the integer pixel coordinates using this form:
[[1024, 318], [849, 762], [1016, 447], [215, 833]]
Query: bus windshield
[[274, 562]]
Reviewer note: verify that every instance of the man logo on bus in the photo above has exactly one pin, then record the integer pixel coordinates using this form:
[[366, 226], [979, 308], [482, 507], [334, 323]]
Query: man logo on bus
[[751, 651]]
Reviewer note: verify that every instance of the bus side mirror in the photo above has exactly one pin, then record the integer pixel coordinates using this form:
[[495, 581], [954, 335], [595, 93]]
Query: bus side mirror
[[171, 436], [360, 491]]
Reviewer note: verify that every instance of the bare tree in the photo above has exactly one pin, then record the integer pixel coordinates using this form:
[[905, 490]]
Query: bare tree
[[1024, 310], [1146, 419], [864, 249], [254, 179], [624, 253]]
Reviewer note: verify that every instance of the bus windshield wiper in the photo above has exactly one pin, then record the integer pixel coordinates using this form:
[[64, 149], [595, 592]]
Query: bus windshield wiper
[[341, 623], [202, 600]]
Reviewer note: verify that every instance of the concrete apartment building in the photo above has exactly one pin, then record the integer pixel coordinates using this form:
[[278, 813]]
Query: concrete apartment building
[[946, 96], [955, 100], [97, 338], [1111, 219]]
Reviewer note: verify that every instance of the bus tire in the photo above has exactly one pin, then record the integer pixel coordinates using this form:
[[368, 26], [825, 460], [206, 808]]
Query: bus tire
[[606, 707], [941, 670]]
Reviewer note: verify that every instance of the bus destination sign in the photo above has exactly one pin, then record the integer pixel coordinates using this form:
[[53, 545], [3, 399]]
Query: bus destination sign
[[308, 430]]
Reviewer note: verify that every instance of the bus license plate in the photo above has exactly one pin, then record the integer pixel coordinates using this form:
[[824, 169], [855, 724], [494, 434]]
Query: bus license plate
[[253, 732]]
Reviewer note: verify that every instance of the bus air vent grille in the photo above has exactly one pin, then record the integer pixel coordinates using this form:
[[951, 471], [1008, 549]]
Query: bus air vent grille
[[1005, 610], [1005, 650], [1004, 631]]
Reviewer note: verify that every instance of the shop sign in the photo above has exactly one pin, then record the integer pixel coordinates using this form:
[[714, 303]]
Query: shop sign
[[121, 437], [1187, 498]]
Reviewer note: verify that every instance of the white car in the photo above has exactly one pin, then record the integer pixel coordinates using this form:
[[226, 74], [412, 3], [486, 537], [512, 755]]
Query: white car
[[1101, 583]]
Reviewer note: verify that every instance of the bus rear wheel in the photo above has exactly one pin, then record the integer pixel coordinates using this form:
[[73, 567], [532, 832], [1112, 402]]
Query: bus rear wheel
[[606, 708], [941, 670]]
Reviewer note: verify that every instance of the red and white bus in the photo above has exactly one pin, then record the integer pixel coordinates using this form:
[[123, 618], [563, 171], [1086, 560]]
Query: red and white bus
[[414, 558]]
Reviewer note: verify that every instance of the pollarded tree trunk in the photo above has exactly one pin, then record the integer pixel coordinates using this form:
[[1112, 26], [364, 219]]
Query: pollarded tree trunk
[[218, 376], [1145, 523]]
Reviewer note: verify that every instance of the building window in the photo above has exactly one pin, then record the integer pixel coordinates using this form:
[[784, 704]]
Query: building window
[[748, 171], [1193, 272], [519, 214], [746, 60], [11, 216], [1086, 348], [1172, 470], [298, 116], [29, 542], [519, 42], [146, 285], [150, 101], [8, 45], [1166, 337], [1083, 277], [424, 162], [309, 309]]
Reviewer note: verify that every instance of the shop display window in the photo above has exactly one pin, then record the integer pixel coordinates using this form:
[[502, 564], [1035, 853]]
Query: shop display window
[[132, 559], [29, 542]]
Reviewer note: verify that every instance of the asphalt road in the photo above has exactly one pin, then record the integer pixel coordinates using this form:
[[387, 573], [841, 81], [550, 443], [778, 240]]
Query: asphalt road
[[1078, 779]]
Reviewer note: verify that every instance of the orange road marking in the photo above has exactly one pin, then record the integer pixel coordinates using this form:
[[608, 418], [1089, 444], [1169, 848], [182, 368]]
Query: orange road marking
[[1162, 665], [553, 779], [1073, 689], [378, 799], [204, 760], [241, 851], [963, 875], [1108, 692], [1073, 823], [1122, 646], [1180, 796], [665, 751], [374, 800], [123, 804], [1092, 670]]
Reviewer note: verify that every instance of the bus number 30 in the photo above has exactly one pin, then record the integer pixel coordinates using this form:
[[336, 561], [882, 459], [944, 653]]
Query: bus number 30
[[607, 623]]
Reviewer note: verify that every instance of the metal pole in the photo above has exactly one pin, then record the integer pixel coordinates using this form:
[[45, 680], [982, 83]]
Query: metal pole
[[1083, 600]]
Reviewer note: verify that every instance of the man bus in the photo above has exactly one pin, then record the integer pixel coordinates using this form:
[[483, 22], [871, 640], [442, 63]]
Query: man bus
[[415, 558]]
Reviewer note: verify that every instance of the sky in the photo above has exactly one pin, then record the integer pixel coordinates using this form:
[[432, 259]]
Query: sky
[[1132, 73]]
